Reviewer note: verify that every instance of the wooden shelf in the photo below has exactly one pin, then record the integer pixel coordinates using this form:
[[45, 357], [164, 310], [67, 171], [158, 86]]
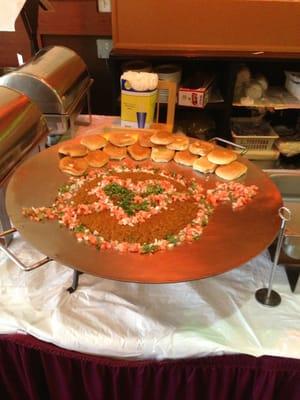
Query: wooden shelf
[[203, 54], [216, 101], [210, 106], [277, 98]]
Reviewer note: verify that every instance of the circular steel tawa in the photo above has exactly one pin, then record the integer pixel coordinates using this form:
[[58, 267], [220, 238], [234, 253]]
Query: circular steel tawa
[[229, 240]]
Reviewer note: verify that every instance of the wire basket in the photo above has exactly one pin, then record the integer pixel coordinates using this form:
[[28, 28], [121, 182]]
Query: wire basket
[[255, 142]]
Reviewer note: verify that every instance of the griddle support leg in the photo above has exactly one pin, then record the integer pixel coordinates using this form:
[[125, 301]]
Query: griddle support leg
[[292, 275], [74, 286], [267, 296]]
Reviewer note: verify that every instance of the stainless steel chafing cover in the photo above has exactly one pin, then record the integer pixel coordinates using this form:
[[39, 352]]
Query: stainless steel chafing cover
[[54, 78], [22, 126]]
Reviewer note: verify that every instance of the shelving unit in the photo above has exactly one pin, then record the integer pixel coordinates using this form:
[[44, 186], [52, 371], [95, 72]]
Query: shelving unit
[[219, 104], [277, 98], [277, 107], [225, 66], [215, 97]]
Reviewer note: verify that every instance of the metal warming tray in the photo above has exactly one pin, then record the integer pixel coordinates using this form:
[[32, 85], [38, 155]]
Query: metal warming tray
[[229, 240], [288, 184], [22, 127], [57, 80]]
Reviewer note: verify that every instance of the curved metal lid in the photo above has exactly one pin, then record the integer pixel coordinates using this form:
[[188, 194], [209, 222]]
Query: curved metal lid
[[58, 67], [52, 78], [21, 127]]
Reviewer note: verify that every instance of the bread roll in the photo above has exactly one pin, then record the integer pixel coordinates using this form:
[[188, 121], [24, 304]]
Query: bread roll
[[288, 147], [93, 142], [221, 156], [185, 158], [73, 149], [73, 166], [144, 139], [97, 158], [162, 154], [254, 90], [122, 139], [262, 80], [139, 153], [201, 147], [239, 92], [243, 76], [246, 101], [203, 165], [231, 171], [162, 137], [159, 126], [114, 152], [180, 142]]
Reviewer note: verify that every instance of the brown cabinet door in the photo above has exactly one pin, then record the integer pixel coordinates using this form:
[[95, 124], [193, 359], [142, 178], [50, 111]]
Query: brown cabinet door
[[215, 25]]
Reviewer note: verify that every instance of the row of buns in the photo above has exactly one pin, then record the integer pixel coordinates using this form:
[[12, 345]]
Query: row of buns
[[160, 146]]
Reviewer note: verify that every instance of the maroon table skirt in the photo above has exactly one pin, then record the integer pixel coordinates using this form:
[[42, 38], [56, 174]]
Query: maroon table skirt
[[35, 370]]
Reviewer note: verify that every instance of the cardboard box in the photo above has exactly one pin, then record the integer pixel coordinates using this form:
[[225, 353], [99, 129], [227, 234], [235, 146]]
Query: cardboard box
[[137, 108], [195, 91]]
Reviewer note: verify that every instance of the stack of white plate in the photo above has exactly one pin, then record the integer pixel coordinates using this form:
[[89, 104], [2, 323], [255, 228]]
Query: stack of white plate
[[168, 72]]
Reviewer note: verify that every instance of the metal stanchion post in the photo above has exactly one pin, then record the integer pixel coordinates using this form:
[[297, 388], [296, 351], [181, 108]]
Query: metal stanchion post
[[267, 296]]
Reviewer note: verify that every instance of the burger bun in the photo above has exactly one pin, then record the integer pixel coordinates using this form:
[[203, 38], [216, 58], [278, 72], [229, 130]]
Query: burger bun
[[231, 171]]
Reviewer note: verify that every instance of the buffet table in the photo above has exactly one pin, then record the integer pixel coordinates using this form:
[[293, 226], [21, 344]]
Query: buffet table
[[118, 340], [149, 341], [54, 373]]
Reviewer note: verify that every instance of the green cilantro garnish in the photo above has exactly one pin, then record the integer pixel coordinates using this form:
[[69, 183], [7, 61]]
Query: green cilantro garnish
[[149, 248], [173, 239], [40, 215], [80, 228], [142, 206], [64, 188], [204, 222], [124, 198], [231, 197], [193, 185], [154, 189]]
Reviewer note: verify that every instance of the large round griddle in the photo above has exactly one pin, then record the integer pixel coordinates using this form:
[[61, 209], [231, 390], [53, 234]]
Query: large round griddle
[[230, 239]]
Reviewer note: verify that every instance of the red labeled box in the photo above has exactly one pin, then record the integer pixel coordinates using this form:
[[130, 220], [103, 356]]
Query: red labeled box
[[195, 91]]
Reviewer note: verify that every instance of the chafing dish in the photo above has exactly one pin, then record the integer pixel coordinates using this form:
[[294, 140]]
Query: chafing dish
[[22, 127], [57, 80]]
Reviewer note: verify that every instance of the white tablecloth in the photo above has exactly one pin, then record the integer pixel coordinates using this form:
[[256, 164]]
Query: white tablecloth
[[217, 315], [213, 316]]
